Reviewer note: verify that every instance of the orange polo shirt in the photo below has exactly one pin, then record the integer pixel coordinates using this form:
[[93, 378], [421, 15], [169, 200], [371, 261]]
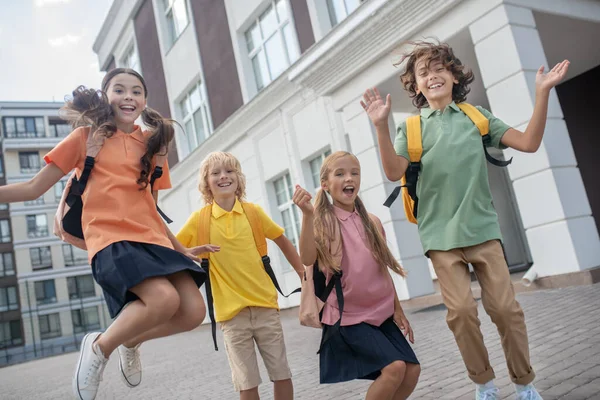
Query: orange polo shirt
[[114, 207]]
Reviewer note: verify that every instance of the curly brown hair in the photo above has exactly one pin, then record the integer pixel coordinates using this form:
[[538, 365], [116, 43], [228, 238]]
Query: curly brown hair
[[434, 52]]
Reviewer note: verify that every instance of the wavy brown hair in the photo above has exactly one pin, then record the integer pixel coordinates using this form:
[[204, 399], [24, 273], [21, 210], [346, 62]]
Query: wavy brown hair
[[326, 226], [432, 52], [90, 107]]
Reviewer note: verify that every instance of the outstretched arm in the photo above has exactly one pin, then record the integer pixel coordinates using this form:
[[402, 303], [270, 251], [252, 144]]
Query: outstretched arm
[[34, 188], [308, 249], [530, 140], [378, 111], [290, 253]]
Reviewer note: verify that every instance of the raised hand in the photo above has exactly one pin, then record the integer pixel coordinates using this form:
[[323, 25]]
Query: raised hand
[[302, 199], [547, 81], [377, 110], [193, 252]]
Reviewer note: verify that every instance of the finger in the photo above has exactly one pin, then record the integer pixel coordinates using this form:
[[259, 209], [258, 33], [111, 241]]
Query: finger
[[388, 102], [371, 95], [540, 70], [411, 335], [362, 103], [564, 67], [377, 95], [367, 97]]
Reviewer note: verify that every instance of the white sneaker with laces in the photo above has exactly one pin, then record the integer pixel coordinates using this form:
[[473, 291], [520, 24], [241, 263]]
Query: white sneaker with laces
[[89, 369], [528, 392], [486, 393], [130, 365]]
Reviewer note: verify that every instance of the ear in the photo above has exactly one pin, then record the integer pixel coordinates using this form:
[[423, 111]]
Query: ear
[[325, 186]]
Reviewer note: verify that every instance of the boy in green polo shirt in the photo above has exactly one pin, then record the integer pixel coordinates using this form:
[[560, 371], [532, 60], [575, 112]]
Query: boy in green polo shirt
[[456, 219]]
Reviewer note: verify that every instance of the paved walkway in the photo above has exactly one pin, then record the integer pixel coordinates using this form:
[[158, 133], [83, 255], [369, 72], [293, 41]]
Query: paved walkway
[[564, 331]]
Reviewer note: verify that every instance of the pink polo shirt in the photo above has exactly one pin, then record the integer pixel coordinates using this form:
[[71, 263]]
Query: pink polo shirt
[[368, 288]]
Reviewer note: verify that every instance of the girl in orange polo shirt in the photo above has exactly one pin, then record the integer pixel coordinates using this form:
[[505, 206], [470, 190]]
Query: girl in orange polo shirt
[[135, 258]]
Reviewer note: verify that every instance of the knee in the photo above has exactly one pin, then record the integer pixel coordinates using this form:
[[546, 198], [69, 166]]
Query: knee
[[414, 371], [461, 314], [166, 304], [395, 371], [194, 314], [505, 313]]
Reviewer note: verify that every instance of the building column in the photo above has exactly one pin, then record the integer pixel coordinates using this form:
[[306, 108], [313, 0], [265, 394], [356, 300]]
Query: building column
[[551, 197], [402, 236]]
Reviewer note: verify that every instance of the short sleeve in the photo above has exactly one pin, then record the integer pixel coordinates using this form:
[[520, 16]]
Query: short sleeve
[[68, 153], [400, 143], [497, 128], [188, 235], [164, 182], [270, 228]]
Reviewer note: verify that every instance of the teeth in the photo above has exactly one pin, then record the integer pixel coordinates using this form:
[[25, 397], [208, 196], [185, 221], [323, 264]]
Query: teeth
[[224, 184], [437, 85]]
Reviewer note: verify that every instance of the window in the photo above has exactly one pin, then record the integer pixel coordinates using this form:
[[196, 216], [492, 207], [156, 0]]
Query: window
[[177, 18], [81, 287], [59, 129], [85, 321], [24, 127], [131, 59], [5, 236], [3, 206], [8, 299], [289, 212], [340, 9], [74, 255], [10, 333], [49, 326], [315, 168], [41, 257], [37, 226], [7, 266], [271, 43], [38, 201], [29, 162], [58, 190], [45, 292], [194, 109], [1, 166]]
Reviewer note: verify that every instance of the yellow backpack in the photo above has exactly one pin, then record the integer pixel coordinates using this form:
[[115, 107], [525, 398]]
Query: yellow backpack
[[415, 150]]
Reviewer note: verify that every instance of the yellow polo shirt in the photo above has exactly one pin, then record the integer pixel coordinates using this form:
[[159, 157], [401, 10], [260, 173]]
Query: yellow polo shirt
[[237, 274]]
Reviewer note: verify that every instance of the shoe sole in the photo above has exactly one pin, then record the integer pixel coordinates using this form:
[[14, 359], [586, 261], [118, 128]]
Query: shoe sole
[[75, 383], [123, 378]]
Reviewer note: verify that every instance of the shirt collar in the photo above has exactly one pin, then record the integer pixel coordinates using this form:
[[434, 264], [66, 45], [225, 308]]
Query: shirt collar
[[137, 134], [428, 112], [218, 212], [342, 214]]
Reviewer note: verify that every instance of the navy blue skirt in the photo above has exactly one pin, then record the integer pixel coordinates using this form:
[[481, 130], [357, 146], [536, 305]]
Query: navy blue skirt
[[122, 265], [361, 351]]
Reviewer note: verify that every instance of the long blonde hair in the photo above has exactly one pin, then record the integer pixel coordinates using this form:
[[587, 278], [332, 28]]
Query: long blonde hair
[[227, 160], [327, 227]]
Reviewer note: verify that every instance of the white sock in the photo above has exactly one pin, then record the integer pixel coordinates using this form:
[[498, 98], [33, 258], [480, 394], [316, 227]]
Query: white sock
[[487, 386], [521, 388]]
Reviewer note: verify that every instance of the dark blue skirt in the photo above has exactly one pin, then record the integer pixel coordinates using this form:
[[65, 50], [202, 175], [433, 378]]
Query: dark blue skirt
[[123, 265], [361, 351]]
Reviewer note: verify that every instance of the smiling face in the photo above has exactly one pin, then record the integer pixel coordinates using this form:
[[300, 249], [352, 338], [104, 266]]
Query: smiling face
[[343, 181], [222, 181], [435, 82], [127, 98]]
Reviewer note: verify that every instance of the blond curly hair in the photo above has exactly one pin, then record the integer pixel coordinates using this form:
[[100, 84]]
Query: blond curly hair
[[228, 161]]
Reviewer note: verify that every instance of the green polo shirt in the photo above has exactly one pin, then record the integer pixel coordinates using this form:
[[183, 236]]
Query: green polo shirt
[[455, 201]]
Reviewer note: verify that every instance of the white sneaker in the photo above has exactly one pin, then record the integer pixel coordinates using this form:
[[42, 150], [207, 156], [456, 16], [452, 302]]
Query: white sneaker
[[89, 369], [527, 392], [130, 365], [483, 393]]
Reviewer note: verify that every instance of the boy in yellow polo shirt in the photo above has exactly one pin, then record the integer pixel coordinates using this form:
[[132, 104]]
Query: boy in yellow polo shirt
[[245, 299]]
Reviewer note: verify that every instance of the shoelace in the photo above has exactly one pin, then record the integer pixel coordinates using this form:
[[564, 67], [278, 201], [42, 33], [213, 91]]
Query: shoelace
[[94, 374], [133, 357], [489, 394], [527, 395]]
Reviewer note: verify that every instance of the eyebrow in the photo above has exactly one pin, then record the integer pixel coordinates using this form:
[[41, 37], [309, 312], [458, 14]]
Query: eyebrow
[[134, 87]]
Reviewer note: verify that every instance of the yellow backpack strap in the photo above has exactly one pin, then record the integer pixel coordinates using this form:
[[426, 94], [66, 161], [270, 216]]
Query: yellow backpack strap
[[483, 125], [257, 229], [413, 138], [204, 228], [480, 121]]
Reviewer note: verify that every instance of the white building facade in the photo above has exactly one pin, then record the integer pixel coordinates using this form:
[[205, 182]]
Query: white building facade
[[278, 84]]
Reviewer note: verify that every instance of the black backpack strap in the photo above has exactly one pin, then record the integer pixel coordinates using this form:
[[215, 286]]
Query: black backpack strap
[[487, 141], [210, 303], [411, 176], [335, 281], [267, 264], [157, 173], [78, 185]]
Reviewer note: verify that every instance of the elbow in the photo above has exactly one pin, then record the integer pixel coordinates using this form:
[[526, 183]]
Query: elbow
[[308, 259], [531, 147], [392, 176]]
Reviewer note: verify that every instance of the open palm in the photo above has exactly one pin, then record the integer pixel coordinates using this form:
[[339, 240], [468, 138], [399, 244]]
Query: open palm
[[377, 109], [553, 77]]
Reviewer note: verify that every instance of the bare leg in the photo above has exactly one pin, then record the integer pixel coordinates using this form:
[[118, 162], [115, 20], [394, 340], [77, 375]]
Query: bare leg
[[283, 390], [388, 382], [250, 394], [158, 302], [190, 314], [411, 377]]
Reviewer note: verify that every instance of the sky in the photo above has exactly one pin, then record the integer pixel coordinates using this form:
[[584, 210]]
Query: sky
[[46, 47]]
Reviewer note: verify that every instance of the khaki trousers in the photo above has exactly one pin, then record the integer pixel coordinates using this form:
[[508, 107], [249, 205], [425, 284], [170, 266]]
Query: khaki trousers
[[498, 298]]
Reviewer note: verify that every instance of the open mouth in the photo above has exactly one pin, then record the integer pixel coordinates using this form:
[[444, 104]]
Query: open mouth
[[348, 190], [127, 109], [224, 184], [435, 86]]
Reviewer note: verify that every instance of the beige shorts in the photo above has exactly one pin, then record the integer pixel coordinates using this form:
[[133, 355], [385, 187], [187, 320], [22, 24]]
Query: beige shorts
[[263, 326]]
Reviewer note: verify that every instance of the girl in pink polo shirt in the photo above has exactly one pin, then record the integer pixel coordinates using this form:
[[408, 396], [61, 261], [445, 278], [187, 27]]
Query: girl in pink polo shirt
[[370, 343]]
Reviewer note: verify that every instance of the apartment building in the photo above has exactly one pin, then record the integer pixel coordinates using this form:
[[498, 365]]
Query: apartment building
[[48, 298], [278, 83]]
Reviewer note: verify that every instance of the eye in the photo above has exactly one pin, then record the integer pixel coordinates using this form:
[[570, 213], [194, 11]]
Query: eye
[[137, 93], [118, 91]]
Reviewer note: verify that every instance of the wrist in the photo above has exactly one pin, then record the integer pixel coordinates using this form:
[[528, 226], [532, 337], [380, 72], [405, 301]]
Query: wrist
[[541, 93], [381, 126]]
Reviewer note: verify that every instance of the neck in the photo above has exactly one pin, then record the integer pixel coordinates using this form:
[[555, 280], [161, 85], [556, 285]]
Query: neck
[[439, 104], [226, 203], [345, 207], [125, 127]]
